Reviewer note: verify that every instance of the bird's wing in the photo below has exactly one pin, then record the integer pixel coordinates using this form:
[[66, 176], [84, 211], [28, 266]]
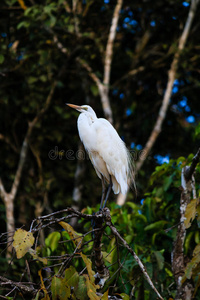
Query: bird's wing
[[113, 151]]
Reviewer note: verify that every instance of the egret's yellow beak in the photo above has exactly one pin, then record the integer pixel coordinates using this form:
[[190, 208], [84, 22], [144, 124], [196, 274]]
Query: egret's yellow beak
[[74, 106]]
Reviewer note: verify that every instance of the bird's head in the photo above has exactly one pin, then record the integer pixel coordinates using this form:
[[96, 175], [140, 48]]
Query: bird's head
[[84, 109]]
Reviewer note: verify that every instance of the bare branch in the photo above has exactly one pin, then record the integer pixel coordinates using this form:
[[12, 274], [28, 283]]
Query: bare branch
[[91, 74], [2, 190], [103, 87], [110, 42], [23, 287], [130, 73], [7, 140]]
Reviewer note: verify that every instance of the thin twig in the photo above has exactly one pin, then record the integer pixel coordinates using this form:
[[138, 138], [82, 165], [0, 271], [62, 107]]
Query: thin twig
[[106, 213]]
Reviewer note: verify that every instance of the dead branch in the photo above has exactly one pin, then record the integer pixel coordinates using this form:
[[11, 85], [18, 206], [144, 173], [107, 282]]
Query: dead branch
[[24, 288]]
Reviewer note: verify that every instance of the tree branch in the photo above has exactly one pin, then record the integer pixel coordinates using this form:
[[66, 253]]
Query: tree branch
[[9, 198], [22, 287], [7, 140], [178, 257], [110, 42], [190, 170], [106, 214], [103, 87], [171, 77], [166, 99], [24, 148]]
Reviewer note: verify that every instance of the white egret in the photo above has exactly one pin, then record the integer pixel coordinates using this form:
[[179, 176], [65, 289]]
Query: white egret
[[108, 153]]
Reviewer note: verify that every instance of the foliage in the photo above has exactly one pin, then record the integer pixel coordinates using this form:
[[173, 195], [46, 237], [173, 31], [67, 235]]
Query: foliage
[[42, 43]]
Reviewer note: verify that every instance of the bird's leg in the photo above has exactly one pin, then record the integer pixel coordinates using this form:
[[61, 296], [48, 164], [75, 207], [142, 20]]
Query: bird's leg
[[103, 191], [108, 192]]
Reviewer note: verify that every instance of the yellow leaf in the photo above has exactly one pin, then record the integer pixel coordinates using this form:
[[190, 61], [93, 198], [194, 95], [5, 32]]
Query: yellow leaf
[[23, 241], [35, 256], [190, 213], [91, 289], [196, 250], [88, 264], [46, 297], [77, 240], [105, 296]]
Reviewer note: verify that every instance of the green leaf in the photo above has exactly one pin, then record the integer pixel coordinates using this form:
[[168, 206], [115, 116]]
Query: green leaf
[[81, 290], [157, 226], [32, 79], [94, 90], [1, 58], [59, 288], [160, 259], [167, 182], [124, 296], [52, 240], [71, 276], [23, 24]]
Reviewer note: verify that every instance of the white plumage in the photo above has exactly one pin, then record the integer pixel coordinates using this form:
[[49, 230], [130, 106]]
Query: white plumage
[[106, 150]]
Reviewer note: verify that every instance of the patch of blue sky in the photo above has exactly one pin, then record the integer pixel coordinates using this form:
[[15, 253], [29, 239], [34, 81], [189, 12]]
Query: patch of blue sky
[[183, 102], [190, 119], [127, 20], [115, 92], [186, 4], [128, 112], [153, 23], [10, 45], [142, 201], [133, 23], [175, 89], [132, 145], [187, 108], [106, 1], [139, 147], [162, 159], [130, 13], [20, 57], [125, 25], [121, 96]]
